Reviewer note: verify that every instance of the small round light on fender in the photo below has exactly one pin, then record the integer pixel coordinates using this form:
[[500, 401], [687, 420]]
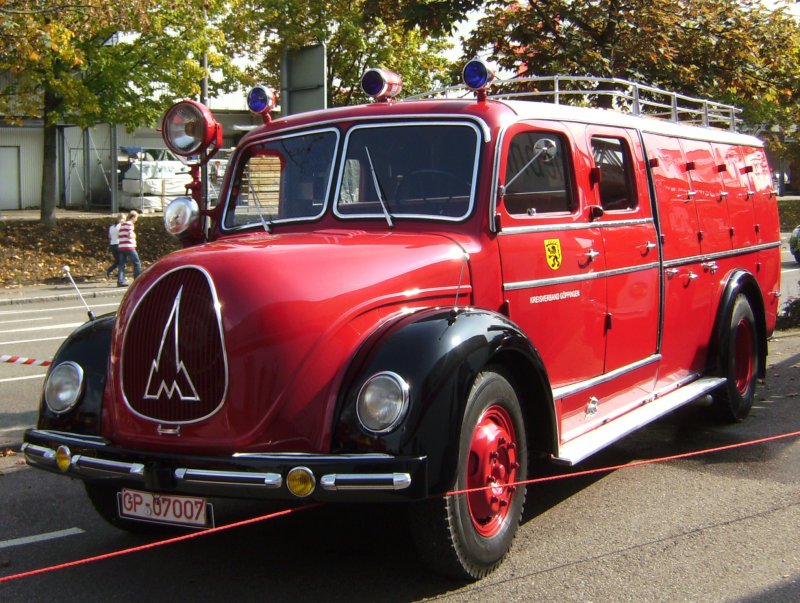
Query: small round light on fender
[[382, 402], [63, 458], [301, 482], [63, 387]]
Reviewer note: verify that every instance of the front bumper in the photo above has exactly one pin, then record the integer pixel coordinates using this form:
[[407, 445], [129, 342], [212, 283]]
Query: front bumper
[[339, 477]]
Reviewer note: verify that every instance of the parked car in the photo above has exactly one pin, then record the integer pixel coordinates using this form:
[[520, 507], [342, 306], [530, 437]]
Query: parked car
[[794, 244]]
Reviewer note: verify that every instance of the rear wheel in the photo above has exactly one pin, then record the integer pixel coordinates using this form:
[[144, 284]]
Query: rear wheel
[[738, 363], [466, 536]]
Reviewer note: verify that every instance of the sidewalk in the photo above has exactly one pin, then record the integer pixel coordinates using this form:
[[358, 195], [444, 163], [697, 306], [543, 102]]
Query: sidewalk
[[59, 292]]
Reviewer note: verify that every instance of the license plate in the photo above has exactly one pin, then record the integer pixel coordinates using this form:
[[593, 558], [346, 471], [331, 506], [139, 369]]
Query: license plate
[[165, 508]]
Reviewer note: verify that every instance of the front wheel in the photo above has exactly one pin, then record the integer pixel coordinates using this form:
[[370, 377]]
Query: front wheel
[[466, 535], [738, 363]]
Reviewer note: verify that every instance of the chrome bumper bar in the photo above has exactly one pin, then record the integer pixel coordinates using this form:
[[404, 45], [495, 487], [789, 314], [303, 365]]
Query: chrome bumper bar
[[59, 457]]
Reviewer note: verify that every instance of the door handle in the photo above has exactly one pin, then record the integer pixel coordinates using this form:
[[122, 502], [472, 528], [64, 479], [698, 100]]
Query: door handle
[[712, 267], [647, 247], [591, 254]]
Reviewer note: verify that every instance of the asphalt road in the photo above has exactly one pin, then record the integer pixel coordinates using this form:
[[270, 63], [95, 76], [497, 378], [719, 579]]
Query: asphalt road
[[720, 526]]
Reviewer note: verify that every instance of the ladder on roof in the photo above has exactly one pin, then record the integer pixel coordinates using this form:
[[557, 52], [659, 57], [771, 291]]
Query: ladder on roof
[[617, 94]]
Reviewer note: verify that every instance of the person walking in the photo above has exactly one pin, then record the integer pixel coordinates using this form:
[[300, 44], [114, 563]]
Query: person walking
[[113, 243], [127, 248]]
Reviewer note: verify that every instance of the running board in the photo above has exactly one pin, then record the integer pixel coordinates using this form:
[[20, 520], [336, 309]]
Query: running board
[[583, 446]]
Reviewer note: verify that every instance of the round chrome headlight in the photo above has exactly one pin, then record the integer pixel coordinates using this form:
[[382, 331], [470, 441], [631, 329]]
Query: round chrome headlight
[[188, 128], [64, 387], [180, 214], [382, 402]]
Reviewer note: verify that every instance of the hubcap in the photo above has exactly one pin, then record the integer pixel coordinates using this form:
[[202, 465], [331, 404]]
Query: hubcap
[[743, 369], [492, 462]]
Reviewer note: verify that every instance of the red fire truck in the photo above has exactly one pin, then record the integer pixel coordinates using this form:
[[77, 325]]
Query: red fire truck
[[409, 301]]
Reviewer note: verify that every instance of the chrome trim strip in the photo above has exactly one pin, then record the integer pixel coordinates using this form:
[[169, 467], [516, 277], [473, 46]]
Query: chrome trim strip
[[719, 255], [575, 278], [574, 388], [338, 121], [65, 437], [305, 455], [38, 454], [367, 481], [92, 465], [217, 312], [514, 230], [229, 478]]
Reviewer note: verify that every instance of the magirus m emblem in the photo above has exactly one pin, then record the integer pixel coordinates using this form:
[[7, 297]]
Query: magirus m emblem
[[168, 374]]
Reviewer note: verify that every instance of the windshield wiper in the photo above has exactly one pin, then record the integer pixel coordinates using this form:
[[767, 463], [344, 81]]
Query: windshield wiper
[[378, 190], [267, 224]]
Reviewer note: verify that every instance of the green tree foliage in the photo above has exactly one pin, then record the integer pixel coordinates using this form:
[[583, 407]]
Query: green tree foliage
[[734, 51], [356, 39], [88, 62]]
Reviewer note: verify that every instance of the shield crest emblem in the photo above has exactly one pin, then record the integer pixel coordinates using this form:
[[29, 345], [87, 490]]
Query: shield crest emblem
[[552, 251]]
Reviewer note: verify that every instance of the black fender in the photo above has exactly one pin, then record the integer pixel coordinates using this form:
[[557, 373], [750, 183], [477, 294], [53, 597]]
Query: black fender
[[739, 282], [88, 346], [439, 353]]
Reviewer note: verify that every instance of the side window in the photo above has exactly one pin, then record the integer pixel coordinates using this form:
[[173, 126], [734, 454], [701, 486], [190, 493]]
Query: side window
[[616, 188], [537, 178]]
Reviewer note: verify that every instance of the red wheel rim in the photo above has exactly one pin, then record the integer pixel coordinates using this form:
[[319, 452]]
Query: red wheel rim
[[492, 462], [743, 368]]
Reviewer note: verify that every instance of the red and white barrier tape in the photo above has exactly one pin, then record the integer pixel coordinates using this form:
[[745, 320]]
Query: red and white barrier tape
[[152, 545], [27, 361]]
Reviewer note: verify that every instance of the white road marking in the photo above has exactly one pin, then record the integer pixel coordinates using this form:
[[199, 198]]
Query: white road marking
[[32, 340], [10, 379], [39, 311], [4, 544], [66, 325], [8, 322]]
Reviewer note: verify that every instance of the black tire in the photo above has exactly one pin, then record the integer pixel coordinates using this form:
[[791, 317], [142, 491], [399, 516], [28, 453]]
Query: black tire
[[466, 536], [738, 363], [104, 501]]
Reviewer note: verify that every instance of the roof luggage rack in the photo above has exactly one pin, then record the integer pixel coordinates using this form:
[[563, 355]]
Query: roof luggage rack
[[610, 93]]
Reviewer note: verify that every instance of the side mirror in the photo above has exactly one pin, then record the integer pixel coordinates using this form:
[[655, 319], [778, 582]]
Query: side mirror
[[546, 149]]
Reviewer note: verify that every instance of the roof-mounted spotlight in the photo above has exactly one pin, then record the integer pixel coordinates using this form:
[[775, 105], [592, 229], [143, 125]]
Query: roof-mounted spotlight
[[381, 84], [261, 100], [477, 75]]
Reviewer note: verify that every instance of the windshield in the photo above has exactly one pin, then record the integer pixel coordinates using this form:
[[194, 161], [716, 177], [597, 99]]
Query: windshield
[[282, 179], [417, 170]]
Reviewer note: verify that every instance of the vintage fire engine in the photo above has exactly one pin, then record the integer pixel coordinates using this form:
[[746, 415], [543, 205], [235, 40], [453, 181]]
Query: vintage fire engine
[[409, 301]]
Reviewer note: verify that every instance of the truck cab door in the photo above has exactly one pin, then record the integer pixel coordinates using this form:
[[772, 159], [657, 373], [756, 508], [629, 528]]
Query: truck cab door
[[551, 253]]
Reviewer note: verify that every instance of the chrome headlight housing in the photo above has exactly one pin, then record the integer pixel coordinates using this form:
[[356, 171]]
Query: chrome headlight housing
[[382, 402], [63, 387], [180, 215]]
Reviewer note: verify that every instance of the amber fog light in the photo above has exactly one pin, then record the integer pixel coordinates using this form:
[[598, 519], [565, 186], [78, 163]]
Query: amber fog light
[[63, 458], [300, 481], [382, 402], [64, 387]]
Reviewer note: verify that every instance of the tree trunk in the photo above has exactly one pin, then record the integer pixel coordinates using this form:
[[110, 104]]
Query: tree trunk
[[49, 166]]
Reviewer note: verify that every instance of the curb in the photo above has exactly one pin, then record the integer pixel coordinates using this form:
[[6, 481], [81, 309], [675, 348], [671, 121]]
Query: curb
[[66, 295]]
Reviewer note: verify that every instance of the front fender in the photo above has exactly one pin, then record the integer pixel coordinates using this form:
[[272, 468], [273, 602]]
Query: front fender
[[89, 346], [439, 353]]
